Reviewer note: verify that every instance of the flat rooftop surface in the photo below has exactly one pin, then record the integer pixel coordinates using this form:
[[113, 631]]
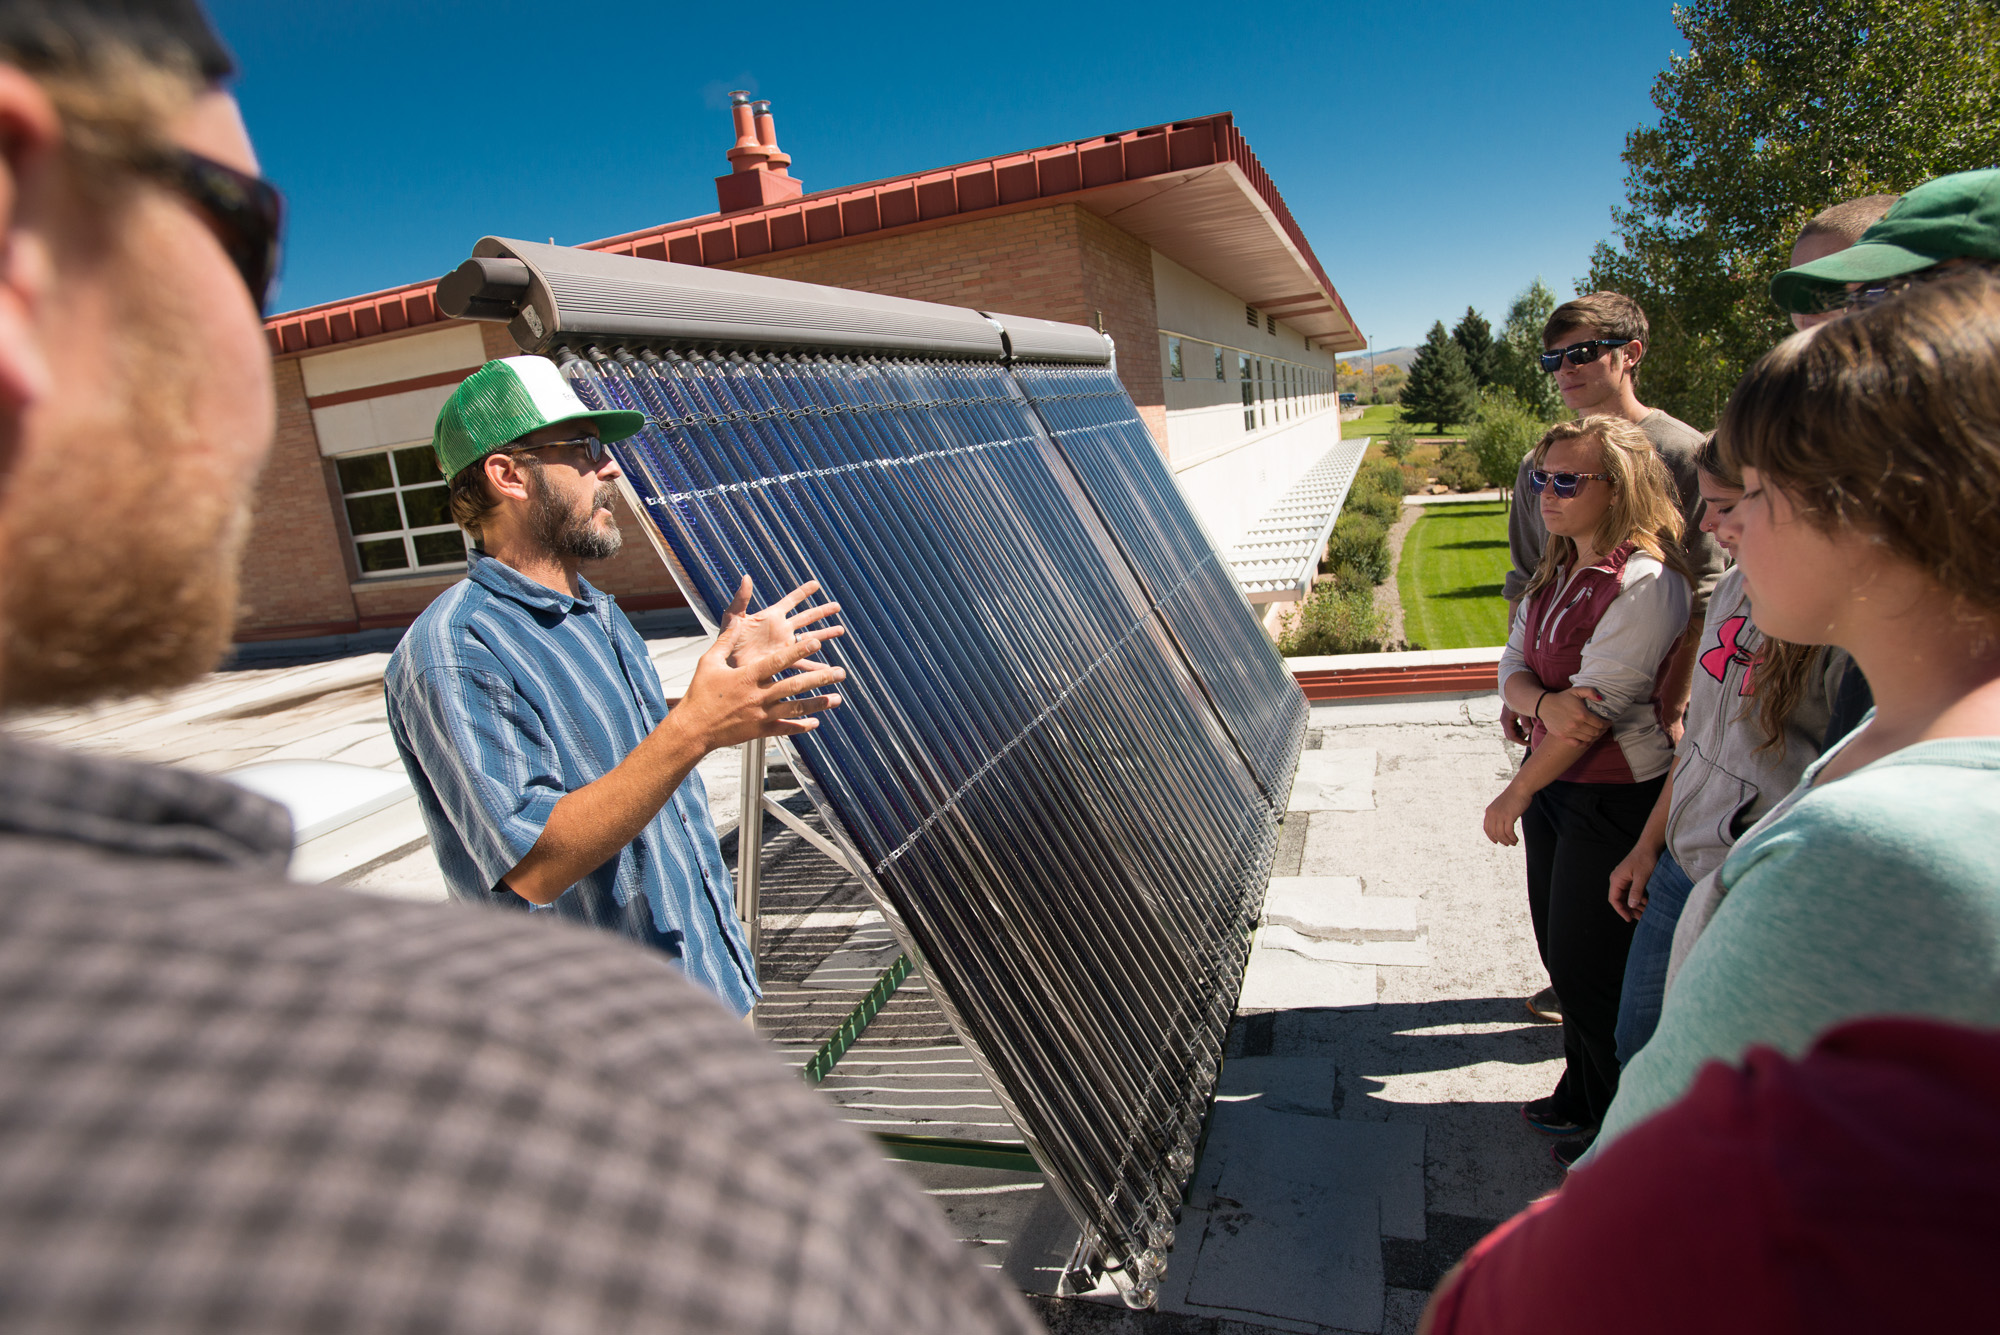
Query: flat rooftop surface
[[1366, 1131]]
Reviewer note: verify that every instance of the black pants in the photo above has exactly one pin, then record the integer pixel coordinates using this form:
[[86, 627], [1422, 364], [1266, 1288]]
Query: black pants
[[1575, 834]]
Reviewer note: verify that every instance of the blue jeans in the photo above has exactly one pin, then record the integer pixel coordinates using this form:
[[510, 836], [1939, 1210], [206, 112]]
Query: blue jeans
[[1646, 962]]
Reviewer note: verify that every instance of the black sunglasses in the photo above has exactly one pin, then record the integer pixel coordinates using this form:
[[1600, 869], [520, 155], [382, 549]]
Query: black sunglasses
[[592, 446], [246, 213], [1566, 484], [1580, 354]]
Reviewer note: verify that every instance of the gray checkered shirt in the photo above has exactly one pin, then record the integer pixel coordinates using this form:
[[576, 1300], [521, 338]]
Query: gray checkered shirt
[[228, 1103]]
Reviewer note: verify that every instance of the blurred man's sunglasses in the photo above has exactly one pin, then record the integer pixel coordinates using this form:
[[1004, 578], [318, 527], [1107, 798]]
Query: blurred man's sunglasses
[[1580, 354], [1566, 485], [246, 213]]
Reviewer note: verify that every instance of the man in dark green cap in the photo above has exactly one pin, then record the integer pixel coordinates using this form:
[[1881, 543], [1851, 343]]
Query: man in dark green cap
[[1946, 222], [550, 773], [1951, 220]]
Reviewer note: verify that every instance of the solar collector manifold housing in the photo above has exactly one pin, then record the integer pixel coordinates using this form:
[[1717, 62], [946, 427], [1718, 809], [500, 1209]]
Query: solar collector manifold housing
[[1065, 742], [558, 296]]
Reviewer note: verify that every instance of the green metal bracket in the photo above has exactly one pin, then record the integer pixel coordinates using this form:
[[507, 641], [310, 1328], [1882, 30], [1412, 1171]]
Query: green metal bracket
[[964, 1153], [912, 1149], [858, 1019]]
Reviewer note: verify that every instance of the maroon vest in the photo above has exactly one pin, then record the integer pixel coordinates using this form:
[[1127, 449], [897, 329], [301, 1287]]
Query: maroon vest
[[1561, 620]]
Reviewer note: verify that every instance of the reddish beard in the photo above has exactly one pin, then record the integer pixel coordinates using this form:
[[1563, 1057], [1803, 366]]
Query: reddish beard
[[121, 546]]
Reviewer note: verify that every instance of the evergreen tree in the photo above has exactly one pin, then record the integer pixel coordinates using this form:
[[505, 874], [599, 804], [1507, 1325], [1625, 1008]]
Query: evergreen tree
[[1440, 387], [1777, 111], [1517, 354], [1475, 339]]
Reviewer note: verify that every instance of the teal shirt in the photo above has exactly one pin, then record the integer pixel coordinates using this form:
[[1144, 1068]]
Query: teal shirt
[[1878, 894]]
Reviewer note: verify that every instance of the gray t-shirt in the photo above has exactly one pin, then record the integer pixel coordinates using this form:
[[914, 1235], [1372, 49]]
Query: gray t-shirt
[[1677, 443]]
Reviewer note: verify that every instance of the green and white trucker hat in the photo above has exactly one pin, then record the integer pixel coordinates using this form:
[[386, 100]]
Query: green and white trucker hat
[[1951, 217], [504, 400]]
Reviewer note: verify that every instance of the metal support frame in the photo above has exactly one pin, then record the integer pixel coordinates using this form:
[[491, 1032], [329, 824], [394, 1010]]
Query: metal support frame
[[750, 844], [1010, 1155]]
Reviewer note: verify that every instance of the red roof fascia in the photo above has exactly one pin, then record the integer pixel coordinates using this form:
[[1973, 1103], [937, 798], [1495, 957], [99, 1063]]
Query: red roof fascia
[[405, 307], [852, 211]]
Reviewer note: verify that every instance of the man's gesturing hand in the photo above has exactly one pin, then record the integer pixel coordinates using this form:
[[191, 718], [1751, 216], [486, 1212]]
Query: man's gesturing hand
[[737, 694]]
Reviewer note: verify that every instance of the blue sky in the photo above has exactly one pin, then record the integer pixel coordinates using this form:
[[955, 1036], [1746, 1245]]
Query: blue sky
[[1437, 155]]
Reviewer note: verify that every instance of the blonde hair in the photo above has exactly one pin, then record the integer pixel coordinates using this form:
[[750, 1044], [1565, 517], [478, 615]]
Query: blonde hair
[[1644, 508], [1781, 671]]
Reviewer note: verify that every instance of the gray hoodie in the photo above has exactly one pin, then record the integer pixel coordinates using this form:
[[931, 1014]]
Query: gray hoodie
[[1722, 783]]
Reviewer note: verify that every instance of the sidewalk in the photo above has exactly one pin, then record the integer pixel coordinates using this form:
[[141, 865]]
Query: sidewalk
[[1487, 497]]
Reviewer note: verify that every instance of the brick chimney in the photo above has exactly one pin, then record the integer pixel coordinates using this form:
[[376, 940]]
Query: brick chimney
[[759, 172]]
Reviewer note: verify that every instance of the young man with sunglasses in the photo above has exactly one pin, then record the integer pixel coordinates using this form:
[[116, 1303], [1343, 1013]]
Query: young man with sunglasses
[[229, 1103], [550, 772], [1593, 346]]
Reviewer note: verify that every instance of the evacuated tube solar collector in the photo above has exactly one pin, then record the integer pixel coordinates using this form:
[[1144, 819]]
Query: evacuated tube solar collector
[[1065, 742]]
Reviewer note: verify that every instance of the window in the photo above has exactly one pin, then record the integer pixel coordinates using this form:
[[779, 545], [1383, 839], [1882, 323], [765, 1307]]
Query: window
[[1249, 392], [1250, 316], [1174, 370], [1218, 365], [398, 511]]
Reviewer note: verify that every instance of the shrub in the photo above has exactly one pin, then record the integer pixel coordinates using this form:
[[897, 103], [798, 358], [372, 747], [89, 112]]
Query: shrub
[[1458, 468], [1380, 506], [1502, 432], [1360, 544], [1400, 440], [1383, 476], [1336, 620]]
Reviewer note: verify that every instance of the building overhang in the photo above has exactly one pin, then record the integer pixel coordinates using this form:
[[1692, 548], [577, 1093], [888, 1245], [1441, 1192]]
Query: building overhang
[[1192, 190], [1213, 222]]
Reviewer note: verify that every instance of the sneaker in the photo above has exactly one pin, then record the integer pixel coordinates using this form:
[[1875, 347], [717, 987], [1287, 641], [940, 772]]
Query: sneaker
[[1545, 1006], [1550, 1118], [1567, 1152]]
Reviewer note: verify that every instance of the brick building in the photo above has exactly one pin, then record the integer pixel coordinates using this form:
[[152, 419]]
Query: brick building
[[1172, 239]]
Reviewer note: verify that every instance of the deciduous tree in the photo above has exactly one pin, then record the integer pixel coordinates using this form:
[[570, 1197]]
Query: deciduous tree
[[1516, 354], [1503, 430], [1778, 109]]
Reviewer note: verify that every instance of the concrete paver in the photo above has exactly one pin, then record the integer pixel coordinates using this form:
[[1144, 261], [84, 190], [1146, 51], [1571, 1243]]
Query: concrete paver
[[1335, 779]]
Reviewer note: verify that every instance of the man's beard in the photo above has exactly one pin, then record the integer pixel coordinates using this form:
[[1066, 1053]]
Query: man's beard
[[122, 549], [567, 531]]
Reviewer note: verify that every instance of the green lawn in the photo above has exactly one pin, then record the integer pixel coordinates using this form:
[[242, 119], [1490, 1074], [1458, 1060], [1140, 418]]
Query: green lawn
[[1375, 420], [1449, 578]]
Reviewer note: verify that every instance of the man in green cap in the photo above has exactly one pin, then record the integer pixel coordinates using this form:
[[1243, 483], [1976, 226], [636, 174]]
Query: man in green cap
[[550, 773], [1946, 222], [1951, 220]]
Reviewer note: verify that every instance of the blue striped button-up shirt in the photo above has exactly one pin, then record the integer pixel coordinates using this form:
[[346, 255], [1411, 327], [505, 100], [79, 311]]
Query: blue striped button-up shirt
[[504, 696]]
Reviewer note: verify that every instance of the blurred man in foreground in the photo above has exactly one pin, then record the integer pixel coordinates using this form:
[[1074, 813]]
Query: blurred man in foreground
[[232, 1104]]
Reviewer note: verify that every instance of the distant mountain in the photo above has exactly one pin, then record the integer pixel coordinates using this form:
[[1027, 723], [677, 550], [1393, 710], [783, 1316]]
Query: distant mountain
[[1383, 357]]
